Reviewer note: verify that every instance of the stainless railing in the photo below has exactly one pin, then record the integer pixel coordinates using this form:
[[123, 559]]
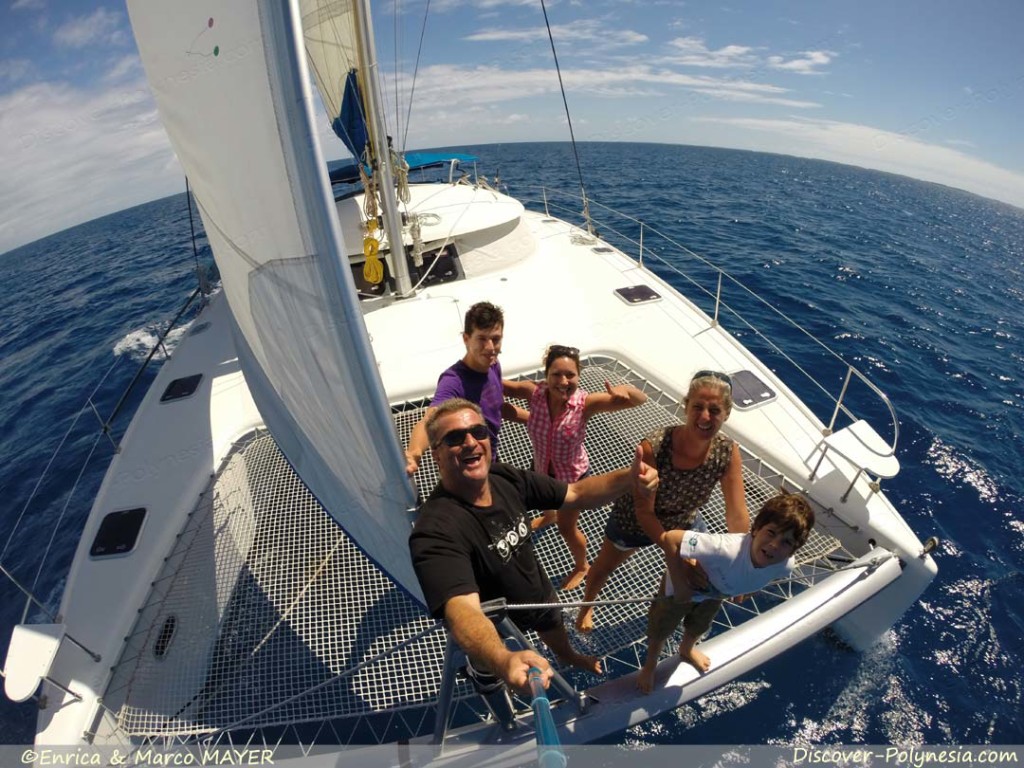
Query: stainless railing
[[552, 200]]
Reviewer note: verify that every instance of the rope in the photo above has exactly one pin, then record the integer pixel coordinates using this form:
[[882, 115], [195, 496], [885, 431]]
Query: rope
[[568, 117]]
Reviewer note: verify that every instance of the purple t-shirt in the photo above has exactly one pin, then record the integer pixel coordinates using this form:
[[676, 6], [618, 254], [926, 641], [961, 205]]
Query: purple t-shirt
[[484, 389]]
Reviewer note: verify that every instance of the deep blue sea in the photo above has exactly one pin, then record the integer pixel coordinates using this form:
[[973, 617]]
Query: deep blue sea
[[922, 286]]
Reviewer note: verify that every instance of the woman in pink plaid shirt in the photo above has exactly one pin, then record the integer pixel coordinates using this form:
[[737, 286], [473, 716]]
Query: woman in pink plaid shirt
[[557, 426]]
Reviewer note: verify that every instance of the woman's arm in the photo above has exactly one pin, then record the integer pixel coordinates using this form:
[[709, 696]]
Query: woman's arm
[[613, 399], [737, 519], [643, 504]]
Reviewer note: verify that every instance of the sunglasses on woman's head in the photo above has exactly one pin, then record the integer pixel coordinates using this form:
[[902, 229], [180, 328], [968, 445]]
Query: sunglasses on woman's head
[[456, 437], [557, 350], [722, 377]]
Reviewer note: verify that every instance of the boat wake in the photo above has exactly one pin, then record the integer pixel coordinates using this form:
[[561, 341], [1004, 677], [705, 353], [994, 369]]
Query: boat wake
[[138, 343]]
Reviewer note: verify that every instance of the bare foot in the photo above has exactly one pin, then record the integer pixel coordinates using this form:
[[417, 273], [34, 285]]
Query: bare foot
[[645, 679], [585, 620], [546, 518], [586, 663], [699, 660], [575, 578]]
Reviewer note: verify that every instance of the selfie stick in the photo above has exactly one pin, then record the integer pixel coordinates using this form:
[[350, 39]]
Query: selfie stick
[[549, 750]]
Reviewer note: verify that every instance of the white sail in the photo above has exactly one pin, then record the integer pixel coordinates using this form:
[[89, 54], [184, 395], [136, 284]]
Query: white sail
[[232, 88], [331, 47]]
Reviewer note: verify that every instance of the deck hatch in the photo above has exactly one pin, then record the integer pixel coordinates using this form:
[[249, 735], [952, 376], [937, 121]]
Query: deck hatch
[[748, 391], [637, 294], [181, 388], [118, 533]]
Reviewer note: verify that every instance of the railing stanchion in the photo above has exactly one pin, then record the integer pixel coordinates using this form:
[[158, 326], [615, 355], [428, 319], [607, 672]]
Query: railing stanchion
[[641, 243], [718, 300]]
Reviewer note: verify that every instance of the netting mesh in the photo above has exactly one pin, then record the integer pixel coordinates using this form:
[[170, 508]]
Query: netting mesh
[[265, 610]]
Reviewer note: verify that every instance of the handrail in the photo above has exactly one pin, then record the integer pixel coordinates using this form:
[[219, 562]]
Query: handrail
[[851, 371], [646, 253]]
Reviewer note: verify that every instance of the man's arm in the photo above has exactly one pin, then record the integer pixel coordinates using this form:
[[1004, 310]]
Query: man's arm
[[476, 635], [598, 490], [418, 444]]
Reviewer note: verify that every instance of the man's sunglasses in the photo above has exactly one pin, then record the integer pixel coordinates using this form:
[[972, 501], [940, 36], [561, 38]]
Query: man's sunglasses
[[456, 437]]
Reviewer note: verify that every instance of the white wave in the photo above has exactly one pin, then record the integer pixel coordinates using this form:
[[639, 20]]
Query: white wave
[[138, 343], [952, 466], [728, 698], [850, 719]]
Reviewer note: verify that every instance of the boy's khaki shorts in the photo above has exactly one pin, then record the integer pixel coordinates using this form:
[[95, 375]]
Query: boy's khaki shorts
[[665, 614]]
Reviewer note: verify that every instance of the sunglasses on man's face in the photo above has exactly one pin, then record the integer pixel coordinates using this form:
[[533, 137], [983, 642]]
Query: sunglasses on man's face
[[456, 437]]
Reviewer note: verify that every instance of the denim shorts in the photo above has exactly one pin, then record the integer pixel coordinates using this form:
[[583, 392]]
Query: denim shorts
[[624, 540]]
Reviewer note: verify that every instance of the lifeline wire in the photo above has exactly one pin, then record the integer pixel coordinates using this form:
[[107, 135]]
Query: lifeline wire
[[568, 117]]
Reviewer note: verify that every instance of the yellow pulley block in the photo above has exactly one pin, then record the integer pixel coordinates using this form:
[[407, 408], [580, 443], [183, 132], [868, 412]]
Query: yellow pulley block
[[373, 269]]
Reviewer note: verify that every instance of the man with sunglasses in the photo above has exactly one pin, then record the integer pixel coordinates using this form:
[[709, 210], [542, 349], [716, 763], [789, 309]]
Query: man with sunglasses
[[476, 377], [471, 542]]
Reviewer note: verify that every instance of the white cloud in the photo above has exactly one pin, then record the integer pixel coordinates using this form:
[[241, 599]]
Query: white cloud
[[444, 6], [809, 63], [462, 86], [102, 27], [122, 68], [868, 147], [28, 5], [14, 70], [693, 52], [70, 155], [579, 31]]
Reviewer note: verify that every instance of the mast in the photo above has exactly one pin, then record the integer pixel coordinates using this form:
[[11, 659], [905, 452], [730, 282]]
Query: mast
[[379, 143]]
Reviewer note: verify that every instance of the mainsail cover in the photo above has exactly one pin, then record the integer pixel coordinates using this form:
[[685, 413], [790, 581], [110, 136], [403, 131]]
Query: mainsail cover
[[231, 85], [331, 44]]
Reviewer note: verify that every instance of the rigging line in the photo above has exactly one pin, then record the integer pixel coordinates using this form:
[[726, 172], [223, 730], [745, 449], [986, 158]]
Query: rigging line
[[568, 117], [395, 46], [64, 509], [56, 452], [415, 72], [204, 287]]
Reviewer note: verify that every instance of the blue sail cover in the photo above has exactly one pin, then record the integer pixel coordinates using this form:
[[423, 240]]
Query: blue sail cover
[[350, 126], [347, 171]]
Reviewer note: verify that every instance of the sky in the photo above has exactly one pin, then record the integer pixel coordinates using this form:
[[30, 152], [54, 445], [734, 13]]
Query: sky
[[932, 89]]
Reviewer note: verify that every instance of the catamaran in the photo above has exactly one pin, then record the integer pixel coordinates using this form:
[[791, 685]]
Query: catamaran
[[244, 575]]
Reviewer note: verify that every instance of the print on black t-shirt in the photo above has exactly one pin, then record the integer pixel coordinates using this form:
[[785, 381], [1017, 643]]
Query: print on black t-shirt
[[506, 538]]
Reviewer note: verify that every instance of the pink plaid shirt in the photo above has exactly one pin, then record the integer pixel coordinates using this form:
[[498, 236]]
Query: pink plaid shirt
[[558, 447]]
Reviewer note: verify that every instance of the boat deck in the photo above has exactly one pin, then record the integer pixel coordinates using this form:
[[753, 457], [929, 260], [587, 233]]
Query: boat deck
[[293, 640]]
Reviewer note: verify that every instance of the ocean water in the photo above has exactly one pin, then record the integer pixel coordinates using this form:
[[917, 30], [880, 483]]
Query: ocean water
[[920, 285]]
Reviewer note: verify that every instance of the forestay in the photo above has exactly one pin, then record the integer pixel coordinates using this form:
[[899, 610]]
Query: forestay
[[231, 84]]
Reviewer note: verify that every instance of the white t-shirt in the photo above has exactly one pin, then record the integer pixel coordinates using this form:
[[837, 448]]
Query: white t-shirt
[[725, 557]]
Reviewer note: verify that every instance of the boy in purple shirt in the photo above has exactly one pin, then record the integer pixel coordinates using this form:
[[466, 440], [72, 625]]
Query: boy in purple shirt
[[476, 377]]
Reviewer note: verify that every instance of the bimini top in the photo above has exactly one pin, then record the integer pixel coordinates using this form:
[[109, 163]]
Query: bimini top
[[347, 171]]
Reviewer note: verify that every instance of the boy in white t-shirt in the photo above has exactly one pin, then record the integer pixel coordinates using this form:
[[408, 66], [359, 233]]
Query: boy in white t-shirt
[[735, 564]]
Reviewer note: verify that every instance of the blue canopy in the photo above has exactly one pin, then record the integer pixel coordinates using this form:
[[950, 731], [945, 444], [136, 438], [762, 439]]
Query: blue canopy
[[347, 171]]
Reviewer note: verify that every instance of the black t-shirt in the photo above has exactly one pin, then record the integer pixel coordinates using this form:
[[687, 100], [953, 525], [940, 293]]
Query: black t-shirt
[[459, 548]]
